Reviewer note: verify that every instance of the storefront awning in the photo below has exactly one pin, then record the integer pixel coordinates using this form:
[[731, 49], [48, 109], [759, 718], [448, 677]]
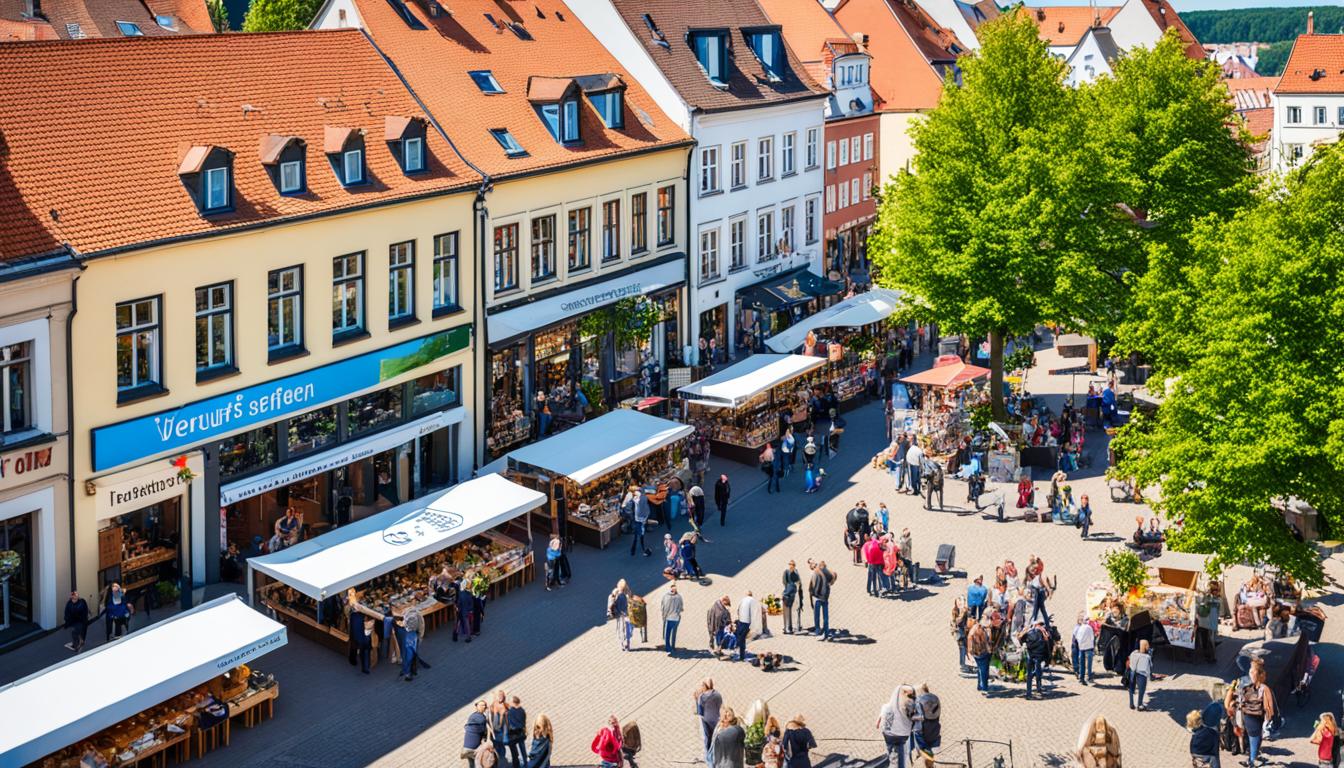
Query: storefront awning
[[337, 457], [602, 445], [788, 288], [81, 696], [740, 382], [854, 312], [353, 554], [512, 323], [951, 373]]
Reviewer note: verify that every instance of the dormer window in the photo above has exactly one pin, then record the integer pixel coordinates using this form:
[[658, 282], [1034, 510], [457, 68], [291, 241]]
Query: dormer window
[[130, 29], [557, 104], [406, 138], [711, 51], [345, 148], [765, 43], [207, 173], [608, 105], [284, 158]]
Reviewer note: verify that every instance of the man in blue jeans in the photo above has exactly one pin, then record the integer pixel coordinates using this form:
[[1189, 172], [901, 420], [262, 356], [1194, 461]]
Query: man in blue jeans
[[639, 517], [1084, 649], [1037, 644], [820, 590], [976, 597]]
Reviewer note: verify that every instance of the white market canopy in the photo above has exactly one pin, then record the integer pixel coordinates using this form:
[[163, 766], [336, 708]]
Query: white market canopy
[[855, 312], [81, 696], [742, 381], [602, 445], [353, 554]]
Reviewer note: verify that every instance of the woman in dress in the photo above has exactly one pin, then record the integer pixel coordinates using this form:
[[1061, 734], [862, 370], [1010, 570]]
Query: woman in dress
[[798, 743], [727, 749]]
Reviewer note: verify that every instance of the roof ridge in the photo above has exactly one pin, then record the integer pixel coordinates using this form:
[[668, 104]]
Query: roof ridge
[[200, 38]]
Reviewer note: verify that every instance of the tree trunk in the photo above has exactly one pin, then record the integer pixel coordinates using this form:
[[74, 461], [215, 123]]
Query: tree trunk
[[996, 375]]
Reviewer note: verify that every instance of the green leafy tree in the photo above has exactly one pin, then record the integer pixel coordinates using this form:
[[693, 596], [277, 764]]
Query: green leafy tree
[[1254, 417], [1164, 119], [280, 15], [1006, 198], [219, 15]]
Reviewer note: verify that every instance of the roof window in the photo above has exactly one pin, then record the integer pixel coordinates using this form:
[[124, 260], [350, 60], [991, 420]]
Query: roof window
[[406, 138], [490, 18], [557, 102], [405, 13], [608, 105], [285, 160], [711, 50], [207, 173], [520, 30], [344, 148], [765, 43], [657, 34], [130, 29], [167, 22], [511, 146], [485, 80]]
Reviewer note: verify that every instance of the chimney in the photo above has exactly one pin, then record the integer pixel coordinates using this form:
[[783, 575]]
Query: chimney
[[1061, 27], [1311, 23], [1040, 14]]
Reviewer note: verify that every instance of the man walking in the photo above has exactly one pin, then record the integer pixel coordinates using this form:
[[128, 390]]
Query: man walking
[[742, 629], [914, 458], [1084, 514], [1084, 649], [820, 590], [640, 518], [1037, 643], [902, 469], [672, 606], [77, 621], [722, 490]]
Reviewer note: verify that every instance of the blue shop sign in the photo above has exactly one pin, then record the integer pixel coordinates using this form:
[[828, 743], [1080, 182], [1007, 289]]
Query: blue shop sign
[[192, 424]]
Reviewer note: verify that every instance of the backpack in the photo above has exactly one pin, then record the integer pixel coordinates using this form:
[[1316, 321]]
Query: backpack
[[630, 737]]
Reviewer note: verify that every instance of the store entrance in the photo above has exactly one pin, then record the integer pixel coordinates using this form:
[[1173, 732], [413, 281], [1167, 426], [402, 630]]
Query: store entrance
[[714, 326], [149, 540], [16, 535]]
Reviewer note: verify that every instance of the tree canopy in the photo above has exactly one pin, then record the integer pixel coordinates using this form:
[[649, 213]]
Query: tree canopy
[[280, 15], [1260, 25], [1253, 417]]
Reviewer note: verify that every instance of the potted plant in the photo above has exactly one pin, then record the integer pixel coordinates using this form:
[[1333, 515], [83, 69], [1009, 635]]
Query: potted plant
[[755, 742], [1125, 570], [772, 604]]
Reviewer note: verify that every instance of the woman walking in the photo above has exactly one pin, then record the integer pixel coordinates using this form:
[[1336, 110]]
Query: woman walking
[[1256, 703], [708, 708], [977, 645], [727, 749], [1326, 738], [542, 737], [959, 616], [895, 724], [798, 741], [1140, 666], [618, 608]]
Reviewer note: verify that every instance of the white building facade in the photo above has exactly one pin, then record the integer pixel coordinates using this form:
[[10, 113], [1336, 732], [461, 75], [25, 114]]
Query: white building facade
[[1302, 122]]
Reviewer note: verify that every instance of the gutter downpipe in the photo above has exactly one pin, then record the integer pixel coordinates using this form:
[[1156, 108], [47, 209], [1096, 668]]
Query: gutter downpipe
[[70, 413]]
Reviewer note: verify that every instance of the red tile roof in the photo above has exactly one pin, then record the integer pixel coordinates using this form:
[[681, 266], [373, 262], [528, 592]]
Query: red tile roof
[[907, 48], [74, 19], [1065, 25], [1250, 92], [94, 161], [808, 30], [436, 60], [748, 84], [1315, 65], [25, 29]]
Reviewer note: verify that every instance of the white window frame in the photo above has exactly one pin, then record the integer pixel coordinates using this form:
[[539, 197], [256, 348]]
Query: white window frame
[[810, 215], [830, 198], [765, 158], [810, 156], [765, 235], [855, 148], [737, 243], [709, 253], [37, 333], [212, 175], [543, 250], [505, 272], [342, 281], [867, 146], [709, 170], [1319, 116], [288, 301], [400, 260], [18, 354], [1294, 116], [787, 149], [738, 163], [841, 196], [786, 223], [288, 185], [418, 154], [867, 186], [843, 145], [854, 191], [216, 317], [138, 325], [445, 270], [830, 155], [352, 159]]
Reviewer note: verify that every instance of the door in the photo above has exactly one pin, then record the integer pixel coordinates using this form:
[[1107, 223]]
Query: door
[[16, 534]]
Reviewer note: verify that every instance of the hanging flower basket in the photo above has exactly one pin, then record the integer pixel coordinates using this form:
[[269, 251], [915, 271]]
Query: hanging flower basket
[[184, 472], [9, 563]]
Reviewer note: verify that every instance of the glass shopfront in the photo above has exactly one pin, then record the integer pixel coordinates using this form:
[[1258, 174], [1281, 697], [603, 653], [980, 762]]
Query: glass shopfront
[[16, 535], [346, 487]]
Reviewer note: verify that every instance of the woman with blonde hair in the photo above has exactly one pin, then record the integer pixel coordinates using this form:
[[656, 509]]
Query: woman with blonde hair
[[1098, 744], [618, 608], [542, 737], [728, 747], [1204, 745], [1326, 738], [798, 743]]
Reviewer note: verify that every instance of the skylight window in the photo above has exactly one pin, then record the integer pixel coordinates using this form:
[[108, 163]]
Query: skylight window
[[657, 34], [485, 80], [490, 18], [167, 22], [511, 146], [130, 29], [711, 50], [520, 31], [405, 14]]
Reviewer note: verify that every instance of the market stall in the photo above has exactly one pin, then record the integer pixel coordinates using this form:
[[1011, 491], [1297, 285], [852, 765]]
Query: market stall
[[849, 336], [478, 529], [860, 311], [738, 408], [176, 679], [947, 393], [585, 470]]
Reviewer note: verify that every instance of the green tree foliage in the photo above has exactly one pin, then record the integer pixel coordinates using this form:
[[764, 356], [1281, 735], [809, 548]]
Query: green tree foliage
[[219, 15], [1164, 118], [1269, 61], [280, 15], [1260, 25], [1255, 417], [997, 205]]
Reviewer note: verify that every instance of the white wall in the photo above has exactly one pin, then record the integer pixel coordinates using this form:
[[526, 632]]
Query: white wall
[[898, 149], [948, 15], [857, 67], [329, 16], [1087, 62], [715, 211], [1304, 132], [1133, 26]]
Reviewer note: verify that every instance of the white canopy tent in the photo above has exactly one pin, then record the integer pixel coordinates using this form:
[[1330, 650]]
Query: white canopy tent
[[855, 312], [81, 696], [368, 548], [740, 382], [598, 447]]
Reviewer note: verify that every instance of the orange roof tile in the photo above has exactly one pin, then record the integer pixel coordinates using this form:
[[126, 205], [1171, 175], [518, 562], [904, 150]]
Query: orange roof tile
[[1061, 25], [79, 19], [436, 60], [1315, 65], [22, 29], [815, 37], [906, 48], [547, 89], [191, 13], [94, 162]]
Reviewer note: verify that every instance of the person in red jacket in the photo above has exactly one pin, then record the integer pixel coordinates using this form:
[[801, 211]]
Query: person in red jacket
[[607, 744], [872, 556]]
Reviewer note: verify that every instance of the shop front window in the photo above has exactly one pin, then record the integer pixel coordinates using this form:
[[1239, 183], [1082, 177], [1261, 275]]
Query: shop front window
[[312, 431], [248, 452], [371, 412], [436, 391]]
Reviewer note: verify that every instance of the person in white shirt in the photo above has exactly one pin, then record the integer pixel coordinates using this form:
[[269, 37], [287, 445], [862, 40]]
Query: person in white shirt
[[1084, 649], [745, 607], [914, 458]]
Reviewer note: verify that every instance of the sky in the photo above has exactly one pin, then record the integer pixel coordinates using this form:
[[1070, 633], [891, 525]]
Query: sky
[[1205, 5]]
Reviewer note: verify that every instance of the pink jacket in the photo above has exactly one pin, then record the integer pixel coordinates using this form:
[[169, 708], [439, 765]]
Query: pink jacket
[[872, 552]]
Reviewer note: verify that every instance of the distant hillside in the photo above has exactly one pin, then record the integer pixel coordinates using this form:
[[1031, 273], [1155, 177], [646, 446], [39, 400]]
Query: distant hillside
[[1279, 26]]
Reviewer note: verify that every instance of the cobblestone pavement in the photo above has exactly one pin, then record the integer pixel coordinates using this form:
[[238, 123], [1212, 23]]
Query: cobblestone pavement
[[556, 652]]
